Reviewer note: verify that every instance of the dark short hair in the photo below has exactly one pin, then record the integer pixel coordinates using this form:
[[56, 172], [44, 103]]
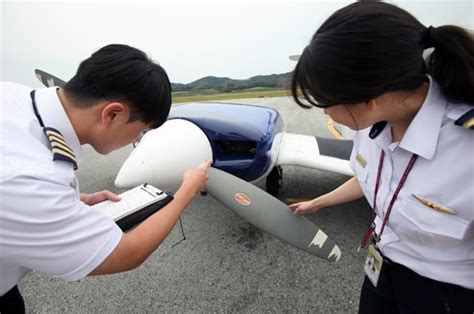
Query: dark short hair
[[125, 74], [369, 48]]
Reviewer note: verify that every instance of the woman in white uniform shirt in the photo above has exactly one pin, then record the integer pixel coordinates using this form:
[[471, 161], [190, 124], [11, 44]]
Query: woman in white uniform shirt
[[413, 150]]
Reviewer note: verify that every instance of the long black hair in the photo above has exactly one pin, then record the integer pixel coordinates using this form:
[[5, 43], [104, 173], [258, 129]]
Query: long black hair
[[369, 48], [126, 74]]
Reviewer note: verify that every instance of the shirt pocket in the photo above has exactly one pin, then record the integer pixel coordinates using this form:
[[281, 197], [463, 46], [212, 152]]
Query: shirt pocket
[[431, 223]]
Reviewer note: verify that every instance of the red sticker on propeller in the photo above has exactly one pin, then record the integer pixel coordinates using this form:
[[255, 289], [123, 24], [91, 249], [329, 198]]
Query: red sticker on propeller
[[242, 199]]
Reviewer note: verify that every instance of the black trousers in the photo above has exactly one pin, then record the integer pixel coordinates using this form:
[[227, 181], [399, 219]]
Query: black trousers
[[401, 290], [12, 302]]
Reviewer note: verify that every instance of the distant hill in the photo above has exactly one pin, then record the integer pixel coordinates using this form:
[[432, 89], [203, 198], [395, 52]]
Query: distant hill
[[225, 84]]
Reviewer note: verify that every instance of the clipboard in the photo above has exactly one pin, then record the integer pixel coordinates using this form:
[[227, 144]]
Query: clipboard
[[136, 205]]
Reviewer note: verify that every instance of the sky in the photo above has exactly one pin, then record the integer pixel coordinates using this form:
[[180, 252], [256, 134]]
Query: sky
[[190, 39]]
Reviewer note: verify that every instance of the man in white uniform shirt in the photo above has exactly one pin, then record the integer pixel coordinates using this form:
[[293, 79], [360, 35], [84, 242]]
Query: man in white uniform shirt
[[46, 225]]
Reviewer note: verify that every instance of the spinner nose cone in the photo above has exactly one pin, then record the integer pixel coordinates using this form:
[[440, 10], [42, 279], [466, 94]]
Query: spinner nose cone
[[164, 154], [133, 172]]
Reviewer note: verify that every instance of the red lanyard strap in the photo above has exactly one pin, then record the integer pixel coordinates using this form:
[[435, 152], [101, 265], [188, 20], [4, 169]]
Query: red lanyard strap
[[371, 230], [377, 181], [395, 194]]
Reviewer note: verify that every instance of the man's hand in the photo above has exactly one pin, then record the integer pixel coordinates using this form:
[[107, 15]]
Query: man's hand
[[196, 179], [97, 197]]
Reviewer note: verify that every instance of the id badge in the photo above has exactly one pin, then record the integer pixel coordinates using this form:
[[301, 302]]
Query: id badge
[[373, 264]]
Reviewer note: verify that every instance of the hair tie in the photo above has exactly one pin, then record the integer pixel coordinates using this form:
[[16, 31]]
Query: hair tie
[[428, 37]]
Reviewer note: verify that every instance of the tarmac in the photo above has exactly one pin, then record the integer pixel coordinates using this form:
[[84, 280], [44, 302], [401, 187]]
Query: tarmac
[[225, 264]]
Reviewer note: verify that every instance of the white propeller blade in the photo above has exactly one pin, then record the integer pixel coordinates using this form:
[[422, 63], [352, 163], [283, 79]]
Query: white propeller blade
[[271, 215]]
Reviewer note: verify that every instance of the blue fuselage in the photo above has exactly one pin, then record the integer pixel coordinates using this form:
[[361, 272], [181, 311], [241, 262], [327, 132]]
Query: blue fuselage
[[241, 136]]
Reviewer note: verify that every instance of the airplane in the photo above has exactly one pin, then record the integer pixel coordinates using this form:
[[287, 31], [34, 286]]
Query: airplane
[[246, 141], [246, 144]]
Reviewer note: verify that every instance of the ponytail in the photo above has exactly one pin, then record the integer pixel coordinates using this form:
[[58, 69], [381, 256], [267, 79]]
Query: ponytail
[[451, 63], [370, 48]]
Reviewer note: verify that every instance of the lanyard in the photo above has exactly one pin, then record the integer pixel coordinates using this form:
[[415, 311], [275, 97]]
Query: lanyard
[[371, 231]]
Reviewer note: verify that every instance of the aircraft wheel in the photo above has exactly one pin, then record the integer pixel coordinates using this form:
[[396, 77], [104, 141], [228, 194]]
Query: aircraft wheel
[[274, 181]]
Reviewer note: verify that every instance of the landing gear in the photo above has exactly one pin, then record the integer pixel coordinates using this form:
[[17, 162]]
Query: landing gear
[[274, 181]]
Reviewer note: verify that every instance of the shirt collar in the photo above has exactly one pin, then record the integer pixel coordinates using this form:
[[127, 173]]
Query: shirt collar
[[422, 134], [53, 115], [421, 137]]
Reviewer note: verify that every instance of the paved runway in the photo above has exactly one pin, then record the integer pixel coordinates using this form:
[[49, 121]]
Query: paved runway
[[225, 264]]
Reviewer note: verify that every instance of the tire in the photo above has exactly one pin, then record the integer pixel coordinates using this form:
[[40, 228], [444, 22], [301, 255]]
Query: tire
[[273, 181]]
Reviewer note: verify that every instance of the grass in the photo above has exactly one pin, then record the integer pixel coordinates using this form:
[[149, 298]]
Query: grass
[[213, 95]]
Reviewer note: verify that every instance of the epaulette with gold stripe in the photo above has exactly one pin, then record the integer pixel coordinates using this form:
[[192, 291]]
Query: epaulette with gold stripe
[[466, 120], [59, 146]]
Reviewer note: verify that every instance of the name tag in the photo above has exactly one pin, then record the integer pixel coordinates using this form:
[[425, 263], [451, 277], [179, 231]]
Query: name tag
[[373, 264], [361, 160]]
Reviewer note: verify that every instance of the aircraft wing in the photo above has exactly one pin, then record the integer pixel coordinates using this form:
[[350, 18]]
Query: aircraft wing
[[315, 152], [49, 80], [339, 131]]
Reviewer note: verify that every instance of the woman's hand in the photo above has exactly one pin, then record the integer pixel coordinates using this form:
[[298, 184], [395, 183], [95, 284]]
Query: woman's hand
[[97, 197], [348, 191], [303, 208]]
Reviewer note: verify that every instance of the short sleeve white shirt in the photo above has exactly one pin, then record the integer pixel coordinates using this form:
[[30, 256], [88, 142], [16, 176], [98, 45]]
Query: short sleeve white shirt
[[432, 243], [44, 226]]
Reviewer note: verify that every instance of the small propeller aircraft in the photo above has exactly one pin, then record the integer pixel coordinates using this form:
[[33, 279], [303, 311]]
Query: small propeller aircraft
[[246, 141], [246, 144]]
